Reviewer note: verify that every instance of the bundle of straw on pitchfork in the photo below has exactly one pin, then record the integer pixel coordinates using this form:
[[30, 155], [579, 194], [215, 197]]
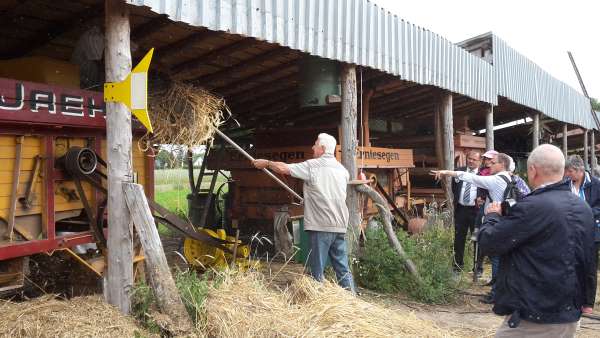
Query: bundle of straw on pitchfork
[[182, 114]]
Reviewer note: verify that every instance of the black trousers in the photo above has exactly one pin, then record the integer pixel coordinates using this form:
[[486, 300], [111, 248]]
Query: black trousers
[[464, 221]]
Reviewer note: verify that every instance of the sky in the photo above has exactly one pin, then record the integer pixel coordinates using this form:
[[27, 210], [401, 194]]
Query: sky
[[542, 31]]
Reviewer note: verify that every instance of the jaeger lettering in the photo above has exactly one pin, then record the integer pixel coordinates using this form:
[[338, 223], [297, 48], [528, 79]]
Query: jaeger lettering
[[45, 100]]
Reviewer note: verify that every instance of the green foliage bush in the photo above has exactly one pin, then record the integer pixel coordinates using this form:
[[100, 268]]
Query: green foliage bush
[[381, 269]]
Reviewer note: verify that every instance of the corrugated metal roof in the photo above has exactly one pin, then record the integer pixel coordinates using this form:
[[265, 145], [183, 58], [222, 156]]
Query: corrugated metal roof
[[522, 81], [353, 31]]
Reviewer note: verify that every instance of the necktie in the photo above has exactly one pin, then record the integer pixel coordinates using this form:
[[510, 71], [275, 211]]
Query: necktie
[[467, 193]]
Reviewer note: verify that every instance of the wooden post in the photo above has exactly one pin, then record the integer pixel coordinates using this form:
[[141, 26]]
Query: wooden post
[[536, 131], [118, 143], [594, 160], [366, 104], [564, 140], [586, 150], [489, 128], [437, 124], [444, 106], [348, 145], [386, 217], [157, 269]]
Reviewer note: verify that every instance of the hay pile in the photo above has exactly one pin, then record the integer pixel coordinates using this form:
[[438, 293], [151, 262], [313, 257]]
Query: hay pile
[[245, 306], [79, 317], [182, 114]]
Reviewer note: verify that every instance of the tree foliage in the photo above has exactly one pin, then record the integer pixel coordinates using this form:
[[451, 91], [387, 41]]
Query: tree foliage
[[595, 104]]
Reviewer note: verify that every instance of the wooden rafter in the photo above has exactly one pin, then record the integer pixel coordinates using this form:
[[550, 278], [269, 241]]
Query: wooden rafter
[[177, 46], [6, 18], [256, 61], [57, 29], [270, 100], [265, 76], [193, 64], [284, 82], [146, 29]]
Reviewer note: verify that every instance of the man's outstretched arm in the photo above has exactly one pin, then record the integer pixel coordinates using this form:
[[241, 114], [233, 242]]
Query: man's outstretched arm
[[277, 167]]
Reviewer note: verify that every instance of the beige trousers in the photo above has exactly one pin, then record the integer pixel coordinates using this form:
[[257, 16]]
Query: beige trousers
[[535, 330]]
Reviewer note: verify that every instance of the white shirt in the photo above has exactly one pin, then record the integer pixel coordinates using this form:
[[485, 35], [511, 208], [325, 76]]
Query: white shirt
[[472, 192], [325, 182], [494, 184]]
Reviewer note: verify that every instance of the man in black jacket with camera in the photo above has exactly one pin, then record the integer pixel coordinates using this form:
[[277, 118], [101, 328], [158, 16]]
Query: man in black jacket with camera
[[546, 242]]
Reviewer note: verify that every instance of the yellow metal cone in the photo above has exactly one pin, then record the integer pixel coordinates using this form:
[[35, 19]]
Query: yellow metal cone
[[133, 91]]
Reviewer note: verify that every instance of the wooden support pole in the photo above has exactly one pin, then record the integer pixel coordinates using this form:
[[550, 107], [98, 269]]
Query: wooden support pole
[[586, 150], [348, 144], [386, 217], [564, 139], [439, 145], [444, 105], [536, 131], [489, 128], [594, 160], [366, 104], [119, 280], [157, 268]]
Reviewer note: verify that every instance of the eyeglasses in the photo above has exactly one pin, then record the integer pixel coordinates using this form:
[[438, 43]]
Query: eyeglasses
[[492, 163]]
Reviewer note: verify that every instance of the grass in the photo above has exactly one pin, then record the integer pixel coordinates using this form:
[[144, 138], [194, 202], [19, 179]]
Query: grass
[[171, 187], [193, 289]]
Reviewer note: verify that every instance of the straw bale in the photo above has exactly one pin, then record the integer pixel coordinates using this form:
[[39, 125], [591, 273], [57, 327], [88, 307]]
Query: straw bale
[[182, 114], [48, 316], [245, 306]]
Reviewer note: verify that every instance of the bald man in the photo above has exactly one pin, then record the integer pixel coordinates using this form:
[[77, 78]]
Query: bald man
[[325, 210], [547, 250]]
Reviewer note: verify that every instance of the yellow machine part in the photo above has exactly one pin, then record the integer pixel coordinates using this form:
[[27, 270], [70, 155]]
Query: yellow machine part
[[202, 255]]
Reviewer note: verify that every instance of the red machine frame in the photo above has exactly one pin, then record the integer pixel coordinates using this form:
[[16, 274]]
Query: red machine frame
[[28, 108]]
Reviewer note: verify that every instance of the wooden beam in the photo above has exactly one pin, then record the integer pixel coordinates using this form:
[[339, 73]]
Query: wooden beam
[[402, 95], [277, 84], [118, 146], [366, 100], [158, 271], [564, 139], [262, 102], [594, 160], [586, 149], [258, 78], [257, 61], [7, 18], [224, 51], [146, 29], [573, 132], [489, 128], [443, 109], [178, 46], [348, 145], [56, 29]]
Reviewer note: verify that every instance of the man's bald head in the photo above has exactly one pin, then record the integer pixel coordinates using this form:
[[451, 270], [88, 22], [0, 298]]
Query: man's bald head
[[546, 164]]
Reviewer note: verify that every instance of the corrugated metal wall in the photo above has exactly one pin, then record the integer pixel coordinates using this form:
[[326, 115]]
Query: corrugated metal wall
[[522, 81], [353, 31]]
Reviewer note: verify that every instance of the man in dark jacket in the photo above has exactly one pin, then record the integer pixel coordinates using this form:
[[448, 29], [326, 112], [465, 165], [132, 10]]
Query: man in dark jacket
[[546, 244], [587, 188], [465, 210]]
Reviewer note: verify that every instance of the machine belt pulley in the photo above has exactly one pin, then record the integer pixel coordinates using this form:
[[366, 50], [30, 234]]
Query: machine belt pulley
[[81, 164]]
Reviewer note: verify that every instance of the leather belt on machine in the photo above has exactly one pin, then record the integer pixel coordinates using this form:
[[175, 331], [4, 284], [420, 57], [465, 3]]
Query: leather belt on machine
[[82, 165]]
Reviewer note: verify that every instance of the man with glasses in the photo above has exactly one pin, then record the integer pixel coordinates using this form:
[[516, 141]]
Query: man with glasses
[[494, 184]]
